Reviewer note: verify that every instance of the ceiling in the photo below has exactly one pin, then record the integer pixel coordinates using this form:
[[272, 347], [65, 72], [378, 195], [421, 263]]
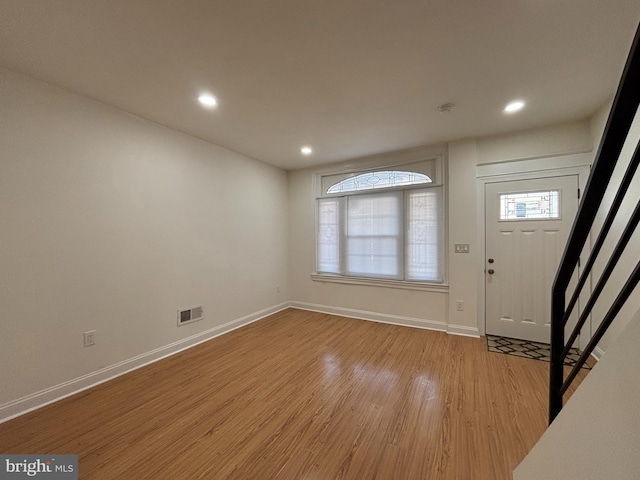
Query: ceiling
[[348, 77]]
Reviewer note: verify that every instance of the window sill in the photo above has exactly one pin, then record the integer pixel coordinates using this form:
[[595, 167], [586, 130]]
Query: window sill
[[373, 282]]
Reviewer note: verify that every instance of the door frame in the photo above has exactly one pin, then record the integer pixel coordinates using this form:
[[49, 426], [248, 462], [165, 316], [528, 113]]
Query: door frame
[[528, 169]]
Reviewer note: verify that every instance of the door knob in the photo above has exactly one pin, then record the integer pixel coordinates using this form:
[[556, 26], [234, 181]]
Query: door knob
[[491, 271]]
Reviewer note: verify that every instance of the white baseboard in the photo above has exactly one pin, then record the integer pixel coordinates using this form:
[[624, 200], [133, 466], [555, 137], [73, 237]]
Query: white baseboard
[[58, 392], [372, 316], [597, 353], [463, 330]]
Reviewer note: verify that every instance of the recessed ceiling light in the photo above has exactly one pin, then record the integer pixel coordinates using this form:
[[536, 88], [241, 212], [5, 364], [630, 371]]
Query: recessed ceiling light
[[207, 100], [514, 106], [306, 150]]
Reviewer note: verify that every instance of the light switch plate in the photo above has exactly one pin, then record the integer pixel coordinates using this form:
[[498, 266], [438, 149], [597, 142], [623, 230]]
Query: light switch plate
[[462, 248]]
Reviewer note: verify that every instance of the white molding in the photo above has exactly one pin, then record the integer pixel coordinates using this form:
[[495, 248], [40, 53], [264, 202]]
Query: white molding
[[390, 319], [63, 390], [372, 316], [382, 160], [597, 353], [535, 164], [481, 257], [463, 330], [428, 287], [50, 395]]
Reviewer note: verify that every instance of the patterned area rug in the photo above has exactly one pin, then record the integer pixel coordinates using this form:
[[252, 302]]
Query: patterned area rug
[[526, 349]]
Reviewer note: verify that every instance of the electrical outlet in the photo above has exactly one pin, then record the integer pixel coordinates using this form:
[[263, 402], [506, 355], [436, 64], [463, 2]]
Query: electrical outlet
[[459, 305], [89, 338]]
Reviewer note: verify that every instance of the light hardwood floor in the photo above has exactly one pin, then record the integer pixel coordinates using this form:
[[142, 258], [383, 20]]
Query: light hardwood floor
[[303, 395]]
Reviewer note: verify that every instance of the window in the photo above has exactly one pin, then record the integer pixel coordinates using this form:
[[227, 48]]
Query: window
[[371, 180], [530, 205], [389, 231]]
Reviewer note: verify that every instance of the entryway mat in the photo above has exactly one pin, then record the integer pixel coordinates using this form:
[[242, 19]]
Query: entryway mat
[[526, 349]]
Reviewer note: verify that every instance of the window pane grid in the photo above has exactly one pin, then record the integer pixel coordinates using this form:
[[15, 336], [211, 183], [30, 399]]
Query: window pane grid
[[328, 239], [396, 234], [373, 235], [373, 180], [424, 236]]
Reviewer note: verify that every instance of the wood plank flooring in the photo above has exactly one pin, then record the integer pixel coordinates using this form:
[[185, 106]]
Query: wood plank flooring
[[304, 395]]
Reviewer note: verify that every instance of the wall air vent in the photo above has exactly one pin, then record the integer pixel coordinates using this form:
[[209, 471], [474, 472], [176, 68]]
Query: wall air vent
[[188, 315]]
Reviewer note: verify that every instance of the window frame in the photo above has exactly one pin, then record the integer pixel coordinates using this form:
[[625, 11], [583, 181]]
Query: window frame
[[397, 238], [377, 188], [438, 181]]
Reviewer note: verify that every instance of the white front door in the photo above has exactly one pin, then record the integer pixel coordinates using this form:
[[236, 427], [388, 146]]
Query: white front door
[[527, 225]]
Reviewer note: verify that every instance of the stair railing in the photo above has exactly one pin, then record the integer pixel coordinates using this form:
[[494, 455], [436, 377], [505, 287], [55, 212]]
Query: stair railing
[[623, 111]]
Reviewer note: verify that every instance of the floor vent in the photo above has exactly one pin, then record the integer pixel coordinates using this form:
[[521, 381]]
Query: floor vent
[[188, 315]]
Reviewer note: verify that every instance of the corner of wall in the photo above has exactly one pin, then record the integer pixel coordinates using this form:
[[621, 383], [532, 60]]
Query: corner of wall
[[463, 228], [597, 122]]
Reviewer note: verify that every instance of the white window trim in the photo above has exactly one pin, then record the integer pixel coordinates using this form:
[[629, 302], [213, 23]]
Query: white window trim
[[392, 160], [375, 282]]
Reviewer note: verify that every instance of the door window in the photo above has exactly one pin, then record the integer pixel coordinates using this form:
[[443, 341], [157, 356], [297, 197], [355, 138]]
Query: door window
[[530, 205]]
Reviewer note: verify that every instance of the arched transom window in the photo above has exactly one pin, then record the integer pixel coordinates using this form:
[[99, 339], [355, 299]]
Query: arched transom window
[[374, 180]]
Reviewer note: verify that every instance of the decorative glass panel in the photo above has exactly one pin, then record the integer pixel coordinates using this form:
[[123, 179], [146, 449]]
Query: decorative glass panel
[[373, 180], [385, 224], [530, 205], [328, 240], [424, 235]]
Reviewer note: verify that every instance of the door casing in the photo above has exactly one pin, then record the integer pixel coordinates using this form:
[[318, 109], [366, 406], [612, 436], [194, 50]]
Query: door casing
[[574, 164], [520, 288]]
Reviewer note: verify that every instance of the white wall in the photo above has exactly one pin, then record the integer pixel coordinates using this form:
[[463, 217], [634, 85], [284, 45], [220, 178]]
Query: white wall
[[112, 223], [597, 434], [466, 213], [417, 307], [433, 309], [630, 257], [463, 228], [548, 141], [597, 122]]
